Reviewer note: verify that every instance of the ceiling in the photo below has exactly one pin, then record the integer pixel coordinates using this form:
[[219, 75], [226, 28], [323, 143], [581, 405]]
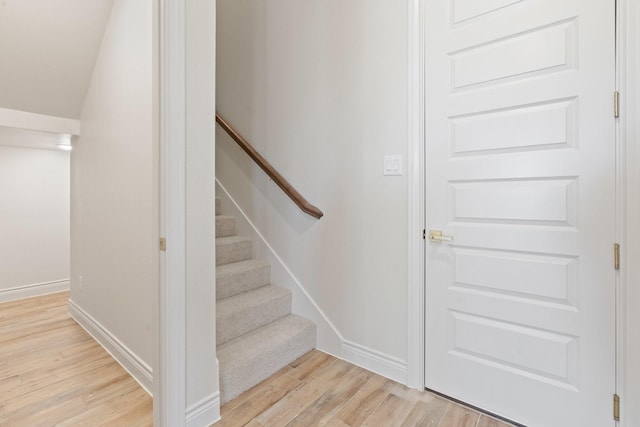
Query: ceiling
[[48, 49]]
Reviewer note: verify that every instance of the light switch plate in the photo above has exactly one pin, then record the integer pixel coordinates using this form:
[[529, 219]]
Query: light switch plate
[[393, 165]]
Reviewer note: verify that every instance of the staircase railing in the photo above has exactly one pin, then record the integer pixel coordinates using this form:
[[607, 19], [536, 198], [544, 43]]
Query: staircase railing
[[270, 170]]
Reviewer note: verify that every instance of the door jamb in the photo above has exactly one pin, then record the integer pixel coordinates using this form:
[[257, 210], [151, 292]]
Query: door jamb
[[628, 296], [170, 376], [416, 307]]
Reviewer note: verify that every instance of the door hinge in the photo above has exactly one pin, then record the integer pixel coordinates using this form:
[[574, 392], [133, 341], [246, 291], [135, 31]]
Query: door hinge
[[616, 104], [424, 234], [616, 407], [616, 256], [163, 244]]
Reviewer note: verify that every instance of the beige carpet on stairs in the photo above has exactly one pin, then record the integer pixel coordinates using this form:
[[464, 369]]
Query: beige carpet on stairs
[[256, 333]]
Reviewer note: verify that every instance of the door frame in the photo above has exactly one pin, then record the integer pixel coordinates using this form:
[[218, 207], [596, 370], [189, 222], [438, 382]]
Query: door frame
[[185, 375], [628, 205]]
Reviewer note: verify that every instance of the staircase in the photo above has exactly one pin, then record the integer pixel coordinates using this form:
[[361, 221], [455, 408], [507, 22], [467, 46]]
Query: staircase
[[256, 333]]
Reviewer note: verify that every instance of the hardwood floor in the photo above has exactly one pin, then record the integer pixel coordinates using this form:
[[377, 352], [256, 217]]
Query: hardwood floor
[[320, 390], [53, 373]]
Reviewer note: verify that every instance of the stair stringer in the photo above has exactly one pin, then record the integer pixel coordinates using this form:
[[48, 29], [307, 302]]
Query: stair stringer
[[329, 339]]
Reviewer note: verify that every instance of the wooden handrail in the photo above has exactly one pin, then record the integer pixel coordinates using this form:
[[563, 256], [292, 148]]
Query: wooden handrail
[[270, 170]]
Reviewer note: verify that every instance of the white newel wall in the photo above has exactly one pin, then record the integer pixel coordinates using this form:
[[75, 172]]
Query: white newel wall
[[320, 89], [34, 222], [114, 179]]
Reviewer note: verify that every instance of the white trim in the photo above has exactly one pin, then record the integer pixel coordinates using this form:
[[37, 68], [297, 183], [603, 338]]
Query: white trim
[[34, 290], [416, 196], [205, 412], [133, 364], [329, 339], [375, 361], [170, 400], [38, 122], [202, 379], [628, 378]]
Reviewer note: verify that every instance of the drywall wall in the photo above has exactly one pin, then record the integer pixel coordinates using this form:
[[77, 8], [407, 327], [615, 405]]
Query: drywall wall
[[114, 188], [320, 89], [34, 221]]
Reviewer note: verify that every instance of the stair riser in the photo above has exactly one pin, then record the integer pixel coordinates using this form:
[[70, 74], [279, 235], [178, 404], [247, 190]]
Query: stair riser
[[230, 284], [225, 226], [230, 325], [227, 253], [241, 370]]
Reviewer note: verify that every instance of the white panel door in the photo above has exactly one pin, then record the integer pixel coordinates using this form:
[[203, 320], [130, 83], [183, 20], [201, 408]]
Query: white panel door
[[520, 172]]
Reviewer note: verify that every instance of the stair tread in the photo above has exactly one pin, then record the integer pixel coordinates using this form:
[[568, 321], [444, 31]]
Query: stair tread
[[247, 311], [247, 264], [248, 299], [249, 359], [265, 336], [241, 276], [231, 239]]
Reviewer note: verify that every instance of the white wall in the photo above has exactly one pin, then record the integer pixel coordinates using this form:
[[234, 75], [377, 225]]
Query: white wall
[[34, 221], [48, 50], [320, 89], [114, 187]]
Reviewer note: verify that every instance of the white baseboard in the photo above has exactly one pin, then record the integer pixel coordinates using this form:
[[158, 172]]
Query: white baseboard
[[34, 290], [138, 369], [374, 361], [205, 412]]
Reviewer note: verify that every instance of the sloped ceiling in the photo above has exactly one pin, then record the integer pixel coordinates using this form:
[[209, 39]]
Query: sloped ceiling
[[48, 49]]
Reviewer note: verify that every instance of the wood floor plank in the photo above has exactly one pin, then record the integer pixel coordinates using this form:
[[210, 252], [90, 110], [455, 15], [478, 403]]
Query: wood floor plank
[[258, 400], [486, 421], [459, 416], [257, 391], [302, 368], [53, 373], [323, 408], [295, 402], [369, 397], [426, 414], [334, 422], [329, 394], [391, 413]]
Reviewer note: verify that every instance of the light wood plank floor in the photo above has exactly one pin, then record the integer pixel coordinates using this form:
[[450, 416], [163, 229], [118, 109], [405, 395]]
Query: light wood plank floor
[[320, 390], [52, 373]]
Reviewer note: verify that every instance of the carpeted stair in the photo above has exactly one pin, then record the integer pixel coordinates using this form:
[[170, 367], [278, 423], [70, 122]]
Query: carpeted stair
[[256, 333]]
